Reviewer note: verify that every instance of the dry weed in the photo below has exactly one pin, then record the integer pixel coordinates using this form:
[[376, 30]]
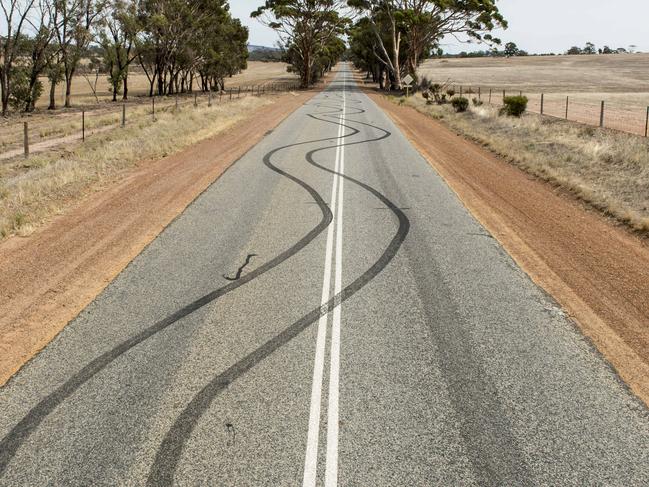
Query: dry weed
[[32, 191], [607, 169]]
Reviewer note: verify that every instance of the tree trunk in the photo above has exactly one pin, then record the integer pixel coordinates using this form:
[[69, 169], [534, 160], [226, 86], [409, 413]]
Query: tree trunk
[[4, 88], [68, 90], [52, 105], [125, 96]]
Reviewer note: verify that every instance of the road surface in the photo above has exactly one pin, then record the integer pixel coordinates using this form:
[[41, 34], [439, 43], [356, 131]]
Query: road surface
[[326, 313]]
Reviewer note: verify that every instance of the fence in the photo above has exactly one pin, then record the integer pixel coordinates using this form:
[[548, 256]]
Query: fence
[[122, 115], [603, 113]]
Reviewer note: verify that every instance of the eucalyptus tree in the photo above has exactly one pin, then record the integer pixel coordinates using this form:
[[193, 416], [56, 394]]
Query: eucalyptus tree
[[116, 32], [305, 28], [40, 51], [73, 20], [15, 20], [421, 24]]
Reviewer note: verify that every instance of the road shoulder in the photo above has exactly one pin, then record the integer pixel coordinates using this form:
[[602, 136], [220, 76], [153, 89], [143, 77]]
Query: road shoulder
[[596, 271]]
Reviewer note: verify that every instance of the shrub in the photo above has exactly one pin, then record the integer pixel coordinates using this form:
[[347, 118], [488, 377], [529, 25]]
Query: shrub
[[450, 93], [477, 103], [514, 106], [460, 104]]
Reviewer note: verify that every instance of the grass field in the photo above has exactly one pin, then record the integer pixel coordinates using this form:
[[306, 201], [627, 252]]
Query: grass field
[[607, 169], [622, 81], [46, 125], [138, 84]]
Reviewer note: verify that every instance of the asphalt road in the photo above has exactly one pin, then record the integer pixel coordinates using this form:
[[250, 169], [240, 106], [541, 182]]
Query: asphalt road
[[326, 313]]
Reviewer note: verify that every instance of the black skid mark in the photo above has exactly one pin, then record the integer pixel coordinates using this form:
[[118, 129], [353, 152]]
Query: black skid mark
[[168, 457], [240, 270], [30, 422]]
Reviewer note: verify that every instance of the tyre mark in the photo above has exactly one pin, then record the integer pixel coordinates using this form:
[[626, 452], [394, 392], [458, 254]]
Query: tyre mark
[[168, 456], [30, 422], [240, 270]]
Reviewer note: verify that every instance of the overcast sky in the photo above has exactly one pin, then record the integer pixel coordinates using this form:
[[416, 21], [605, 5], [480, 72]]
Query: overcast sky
[[535, 25]]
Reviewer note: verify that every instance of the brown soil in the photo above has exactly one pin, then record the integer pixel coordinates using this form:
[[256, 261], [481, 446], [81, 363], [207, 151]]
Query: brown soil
[[598, 272], [49, 277]]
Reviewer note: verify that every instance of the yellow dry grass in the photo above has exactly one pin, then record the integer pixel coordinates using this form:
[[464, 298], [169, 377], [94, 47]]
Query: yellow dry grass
[[138, 85], [33, 190], [608, 170]]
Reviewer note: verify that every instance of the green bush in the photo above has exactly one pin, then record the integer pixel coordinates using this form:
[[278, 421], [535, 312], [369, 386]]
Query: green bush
[[514, 106], [460, 104], [450, 93], [477, 103]]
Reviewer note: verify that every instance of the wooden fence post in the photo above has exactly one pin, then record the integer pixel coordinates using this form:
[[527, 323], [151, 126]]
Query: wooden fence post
[[479, 94], [489, 96], [567, 101], [83, 125], [26, 139], [601, 115], [195, 99], [646, 125], [153, 107], [542, 99], [123, 114]]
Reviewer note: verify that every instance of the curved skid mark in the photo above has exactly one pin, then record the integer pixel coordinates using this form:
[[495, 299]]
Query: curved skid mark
[[25, 427], [170, 452]]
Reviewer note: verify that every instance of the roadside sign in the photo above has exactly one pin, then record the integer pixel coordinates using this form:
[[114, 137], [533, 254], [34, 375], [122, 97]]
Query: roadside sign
[[407, 82]]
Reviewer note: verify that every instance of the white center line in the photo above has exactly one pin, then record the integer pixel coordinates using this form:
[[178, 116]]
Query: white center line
[[331, 472], [311, 458]]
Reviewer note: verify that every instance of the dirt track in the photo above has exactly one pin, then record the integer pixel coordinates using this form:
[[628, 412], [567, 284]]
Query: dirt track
[[599, 273], [49, 277]]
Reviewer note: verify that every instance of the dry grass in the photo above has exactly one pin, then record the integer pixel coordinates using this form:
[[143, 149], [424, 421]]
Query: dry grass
[[138, 85], [608, 170], [46, 125], [32, 191], [622, 81]]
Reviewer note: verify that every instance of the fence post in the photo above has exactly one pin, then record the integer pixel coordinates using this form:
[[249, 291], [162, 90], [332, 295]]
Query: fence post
[[504, 95], [520, 93], [195, 99], [489, 96], [479, 94], [567, 101], [153, 107], [601, 115], [646, 125], [83, 125], [209, 98], [230, 94], [542, 99], [123, 114], [26, 139], [460, 90], [239, 92]]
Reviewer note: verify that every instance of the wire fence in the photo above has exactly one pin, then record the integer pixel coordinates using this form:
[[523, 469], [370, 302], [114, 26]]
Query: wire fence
[[23, 138], [602, 113]]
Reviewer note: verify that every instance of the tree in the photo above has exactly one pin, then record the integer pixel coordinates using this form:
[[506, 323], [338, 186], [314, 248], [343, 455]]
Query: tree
[[589, 49], [574, 50], [305, 28], [117, 31], [511, 49], [15, 17], [607, 50], [41, 52], [421, 24], [73, 20]]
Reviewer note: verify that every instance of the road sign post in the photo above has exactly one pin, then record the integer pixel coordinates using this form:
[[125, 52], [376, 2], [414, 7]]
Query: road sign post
[[407, 82]]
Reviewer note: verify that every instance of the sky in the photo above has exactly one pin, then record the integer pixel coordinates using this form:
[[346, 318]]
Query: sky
[[534, 25]]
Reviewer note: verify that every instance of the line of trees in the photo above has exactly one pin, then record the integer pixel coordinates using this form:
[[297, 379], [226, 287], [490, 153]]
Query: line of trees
[[590, 48], [390, 38], [310, 33], [181, 45]]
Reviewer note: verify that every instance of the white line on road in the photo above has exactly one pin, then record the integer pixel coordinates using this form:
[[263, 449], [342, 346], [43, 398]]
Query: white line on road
[[331, 472], [311, 458]]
